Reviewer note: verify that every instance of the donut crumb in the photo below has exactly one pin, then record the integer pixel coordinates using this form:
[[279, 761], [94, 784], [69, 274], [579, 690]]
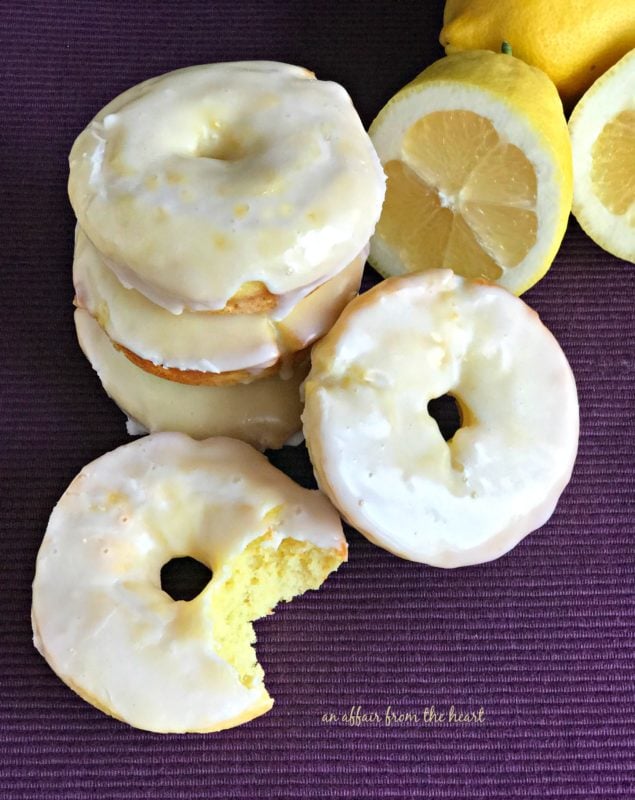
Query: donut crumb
[[262, 576]]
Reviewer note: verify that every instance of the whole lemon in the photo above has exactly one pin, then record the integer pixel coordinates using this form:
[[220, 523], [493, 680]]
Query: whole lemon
[[573, 41]]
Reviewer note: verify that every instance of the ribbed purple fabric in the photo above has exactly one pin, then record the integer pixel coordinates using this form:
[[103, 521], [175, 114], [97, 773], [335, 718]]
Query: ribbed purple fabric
[[542, 639]]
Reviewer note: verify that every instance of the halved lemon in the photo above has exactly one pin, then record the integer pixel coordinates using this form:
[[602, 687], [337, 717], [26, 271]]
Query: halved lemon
[[478, 161], [602, 130]]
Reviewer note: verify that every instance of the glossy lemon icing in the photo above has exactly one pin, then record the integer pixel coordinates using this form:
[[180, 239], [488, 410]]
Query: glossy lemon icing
[[195, 183], [379, 454], [265, 413], [199, 340]]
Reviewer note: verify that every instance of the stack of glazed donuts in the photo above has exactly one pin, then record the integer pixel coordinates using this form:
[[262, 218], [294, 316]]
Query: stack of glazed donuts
[[224, 213]]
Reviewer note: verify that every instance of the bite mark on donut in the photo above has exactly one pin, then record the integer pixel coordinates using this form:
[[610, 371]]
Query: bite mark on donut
[[259, 578]]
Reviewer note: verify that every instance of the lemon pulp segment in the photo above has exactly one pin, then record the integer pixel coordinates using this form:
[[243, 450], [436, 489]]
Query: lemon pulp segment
[[460, 197], [602, 131], [613, 165]]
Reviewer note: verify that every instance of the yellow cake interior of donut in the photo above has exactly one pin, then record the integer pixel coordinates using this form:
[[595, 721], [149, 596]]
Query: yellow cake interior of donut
[[262, 576]]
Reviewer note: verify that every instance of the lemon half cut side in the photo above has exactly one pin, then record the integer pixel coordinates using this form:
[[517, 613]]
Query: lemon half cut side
[[478, 162], [602, 128]]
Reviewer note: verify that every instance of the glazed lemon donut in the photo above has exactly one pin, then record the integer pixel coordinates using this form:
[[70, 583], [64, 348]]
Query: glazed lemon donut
[[380, 456], [100, 617], [222, 179], [265, 413], [203, 342]]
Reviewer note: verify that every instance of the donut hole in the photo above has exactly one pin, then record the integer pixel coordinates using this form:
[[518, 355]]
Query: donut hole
[[221, 146], [446, 412], [184, 578]]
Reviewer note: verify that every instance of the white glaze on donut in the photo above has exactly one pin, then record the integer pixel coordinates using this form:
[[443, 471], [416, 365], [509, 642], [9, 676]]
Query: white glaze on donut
[[265, 413], [202, 180], [100, 616], [204, 341], [379, 454]]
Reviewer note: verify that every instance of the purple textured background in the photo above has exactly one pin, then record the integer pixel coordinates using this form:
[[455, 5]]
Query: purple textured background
[[542, 639]]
